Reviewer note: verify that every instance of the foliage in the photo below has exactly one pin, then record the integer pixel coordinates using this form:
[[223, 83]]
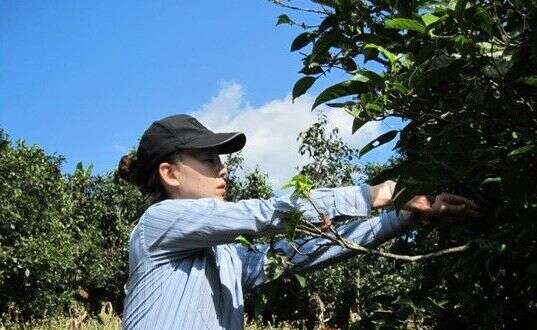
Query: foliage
[[462, 75], [331, 160], [62, 236], [106, 319], [331, 165], [359, 291], [245, 184], [301, 185]]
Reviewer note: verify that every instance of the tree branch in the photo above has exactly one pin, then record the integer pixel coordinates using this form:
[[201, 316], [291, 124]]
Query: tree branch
[[279, 3], [360, 249]]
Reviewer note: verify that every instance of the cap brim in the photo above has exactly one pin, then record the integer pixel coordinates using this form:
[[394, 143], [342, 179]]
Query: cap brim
[[225, 143]]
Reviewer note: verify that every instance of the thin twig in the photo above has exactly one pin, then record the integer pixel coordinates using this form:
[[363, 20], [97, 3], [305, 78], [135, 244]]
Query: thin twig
[[360, 249], [295, 248], [305, 227], [315, 206], [440, 253], [276, 2]]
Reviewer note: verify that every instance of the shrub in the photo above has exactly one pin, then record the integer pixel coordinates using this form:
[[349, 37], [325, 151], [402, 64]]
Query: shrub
[[62, 237]]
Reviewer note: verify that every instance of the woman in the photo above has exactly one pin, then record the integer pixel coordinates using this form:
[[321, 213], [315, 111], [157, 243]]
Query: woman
[[185, 272]]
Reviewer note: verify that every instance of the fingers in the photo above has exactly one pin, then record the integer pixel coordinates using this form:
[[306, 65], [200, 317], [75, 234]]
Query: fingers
[[456, 199], [447, 209], [447, 204]]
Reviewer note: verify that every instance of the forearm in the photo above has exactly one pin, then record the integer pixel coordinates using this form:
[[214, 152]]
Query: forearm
[[178, 225], [382, 194], [319, 252]]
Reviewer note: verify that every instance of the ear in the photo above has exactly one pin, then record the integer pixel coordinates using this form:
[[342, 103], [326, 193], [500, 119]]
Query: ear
[[169, 174]]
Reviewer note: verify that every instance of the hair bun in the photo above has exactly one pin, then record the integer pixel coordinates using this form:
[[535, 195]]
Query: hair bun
[[125, 168]]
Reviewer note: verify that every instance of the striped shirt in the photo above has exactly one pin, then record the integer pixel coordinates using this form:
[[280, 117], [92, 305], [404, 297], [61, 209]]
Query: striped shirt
[[186, 272]]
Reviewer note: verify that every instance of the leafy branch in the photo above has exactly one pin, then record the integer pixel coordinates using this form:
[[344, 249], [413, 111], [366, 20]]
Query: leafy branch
[[295, 222]]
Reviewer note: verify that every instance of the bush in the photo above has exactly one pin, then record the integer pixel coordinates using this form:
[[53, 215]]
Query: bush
[[62, 237]]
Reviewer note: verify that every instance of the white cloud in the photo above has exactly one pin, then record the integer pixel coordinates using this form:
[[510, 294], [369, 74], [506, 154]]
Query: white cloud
[[272, 128]]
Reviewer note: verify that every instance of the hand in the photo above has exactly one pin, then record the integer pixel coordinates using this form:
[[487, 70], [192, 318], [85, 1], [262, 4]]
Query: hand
[[454, 205], [444, 205]]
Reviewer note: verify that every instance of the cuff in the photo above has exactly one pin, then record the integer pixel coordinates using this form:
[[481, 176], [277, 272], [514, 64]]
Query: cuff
[[353, 201], [398, 223]]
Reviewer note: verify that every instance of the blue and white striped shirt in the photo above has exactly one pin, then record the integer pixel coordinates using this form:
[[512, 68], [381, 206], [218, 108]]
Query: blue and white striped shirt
[[185, 272]]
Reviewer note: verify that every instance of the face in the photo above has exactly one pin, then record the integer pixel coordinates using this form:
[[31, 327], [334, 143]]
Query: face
[[199, 174]]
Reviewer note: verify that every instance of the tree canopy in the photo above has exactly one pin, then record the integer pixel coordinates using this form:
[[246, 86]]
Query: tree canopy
[[462, 75]]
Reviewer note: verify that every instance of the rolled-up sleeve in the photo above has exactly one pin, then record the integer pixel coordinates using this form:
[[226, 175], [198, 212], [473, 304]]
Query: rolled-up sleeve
[[177, 226], [317, 252]]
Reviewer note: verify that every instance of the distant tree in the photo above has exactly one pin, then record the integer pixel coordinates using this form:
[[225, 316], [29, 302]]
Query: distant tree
[[243, 184], [63, 238], [331, 160], [352, 292]]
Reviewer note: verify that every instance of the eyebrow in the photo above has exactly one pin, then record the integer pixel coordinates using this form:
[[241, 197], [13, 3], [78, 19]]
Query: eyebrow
[[203, 152]]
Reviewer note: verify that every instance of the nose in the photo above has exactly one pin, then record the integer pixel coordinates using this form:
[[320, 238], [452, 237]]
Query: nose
[[223, 172]]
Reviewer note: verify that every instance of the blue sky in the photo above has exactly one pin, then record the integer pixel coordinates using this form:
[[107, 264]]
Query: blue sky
[[84, 79]]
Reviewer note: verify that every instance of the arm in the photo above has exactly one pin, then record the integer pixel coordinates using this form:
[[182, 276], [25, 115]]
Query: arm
[[316, 254], [368, 233], [177, 226], [381, 194]]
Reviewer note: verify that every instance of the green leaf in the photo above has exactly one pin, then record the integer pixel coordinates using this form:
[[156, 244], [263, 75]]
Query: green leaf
[[302, 40], [483, 19], [390, 173], [301, 184], [301, 280], [462, 42], [373, 108], [460, 7], [357, 123], [498, 70], [370, 54], [312, 68], [399, 88], [368, 76], [404, 24], [429, 19], [328, 22], [384, 138], [245, 240], [490, 49], [530, 81], [392, 58], [284, 19], [332, 38], [348, 64], [290, 220], [345, 88], [523, 150], [433, 71], [302, 85], [341, 104]]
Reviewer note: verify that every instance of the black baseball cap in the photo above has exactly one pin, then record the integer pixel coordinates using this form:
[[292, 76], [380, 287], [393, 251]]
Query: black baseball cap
[[180, 132]]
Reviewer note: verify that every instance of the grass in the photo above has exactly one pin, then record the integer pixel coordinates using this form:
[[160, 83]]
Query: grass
[[107, 319]]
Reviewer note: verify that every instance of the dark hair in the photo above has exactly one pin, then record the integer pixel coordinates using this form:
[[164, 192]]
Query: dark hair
[[146, 176]]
